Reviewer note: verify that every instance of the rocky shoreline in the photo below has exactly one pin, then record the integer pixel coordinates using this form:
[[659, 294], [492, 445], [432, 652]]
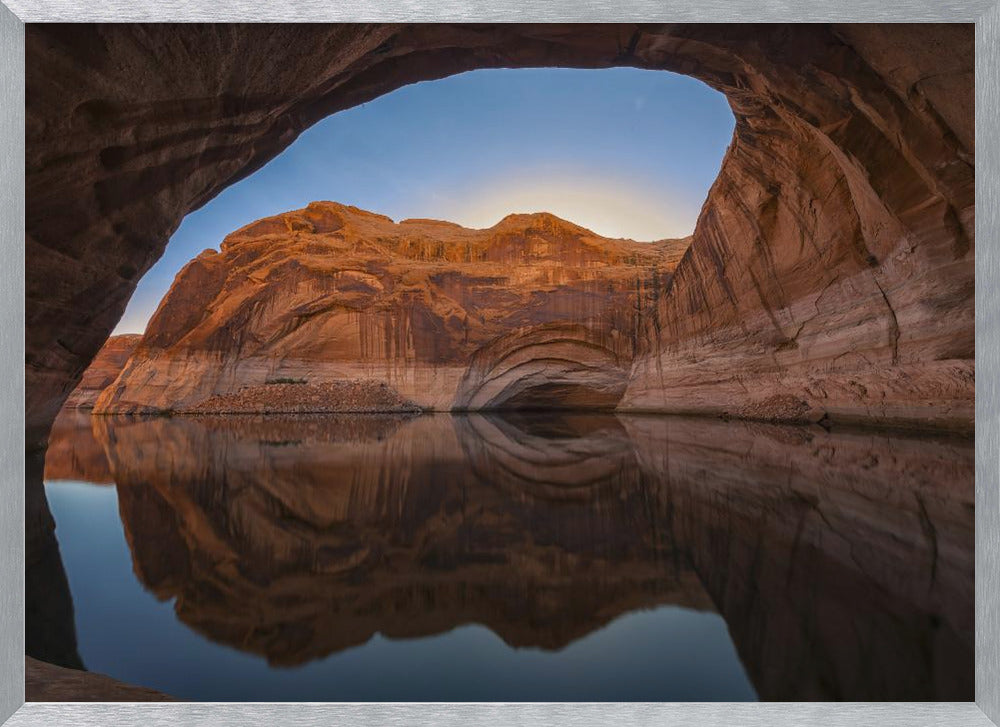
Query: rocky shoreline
[[301, 397]]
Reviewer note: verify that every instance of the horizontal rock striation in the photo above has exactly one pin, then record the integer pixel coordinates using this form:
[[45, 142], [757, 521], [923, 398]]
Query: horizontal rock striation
[[103, 370], [832, 264], [332, 308], [833, 259]]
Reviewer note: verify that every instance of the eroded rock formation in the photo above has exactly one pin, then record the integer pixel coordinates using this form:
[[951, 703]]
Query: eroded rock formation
[[832, 262], [104, 369], [332, 308], [842, 561]]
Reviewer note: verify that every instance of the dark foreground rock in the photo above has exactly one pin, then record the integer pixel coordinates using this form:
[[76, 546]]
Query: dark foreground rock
[[50, 683]]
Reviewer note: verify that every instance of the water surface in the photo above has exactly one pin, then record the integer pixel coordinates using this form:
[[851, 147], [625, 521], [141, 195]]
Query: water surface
[[515, 558]]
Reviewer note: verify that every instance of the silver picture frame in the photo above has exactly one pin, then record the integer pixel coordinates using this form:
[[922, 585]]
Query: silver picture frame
[[14, 14]]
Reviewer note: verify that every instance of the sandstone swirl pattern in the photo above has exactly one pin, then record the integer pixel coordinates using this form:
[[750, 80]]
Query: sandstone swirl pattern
[[305, 311], [832, 262]]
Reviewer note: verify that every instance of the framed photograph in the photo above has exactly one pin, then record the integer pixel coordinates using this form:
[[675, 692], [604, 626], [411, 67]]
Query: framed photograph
[[528, 363]]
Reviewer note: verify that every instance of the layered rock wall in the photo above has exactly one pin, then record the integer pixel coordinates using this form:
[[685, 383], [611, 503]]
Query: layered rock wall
[[831, 271], [332, 308], [832, 263], [103, 370]]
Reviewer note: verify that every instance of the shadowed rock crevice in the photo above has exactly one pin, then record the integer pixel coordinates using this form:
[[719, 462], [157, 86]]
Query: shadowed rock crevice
[[553, 366], [549, 395]]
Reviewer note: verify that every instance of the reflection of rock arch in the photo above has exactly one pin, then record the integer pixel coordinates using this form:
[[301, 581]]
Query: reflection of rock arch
[[792, 532], [554, 366], [332, 535], [576, 457]]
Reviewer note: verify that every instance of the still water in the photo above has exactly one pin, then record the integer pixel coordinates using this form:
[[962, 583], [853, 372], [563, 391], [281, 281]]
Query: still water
[[514, 558]]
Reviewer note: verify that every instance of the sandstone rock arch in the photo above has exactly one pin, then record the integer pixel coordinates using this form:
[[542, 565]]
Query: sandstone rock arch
[[832, 261], [553, 366]]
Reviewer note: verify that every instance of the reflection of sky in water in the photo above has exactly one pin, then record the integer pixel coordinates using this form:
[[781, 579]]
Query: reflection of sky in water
[[664, 654], [840, 562]]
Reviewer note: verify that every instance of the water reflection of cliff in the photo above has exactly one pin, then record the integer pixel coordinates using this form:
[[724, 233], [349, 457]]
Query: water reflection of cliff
[[841, 561], [73, 452]]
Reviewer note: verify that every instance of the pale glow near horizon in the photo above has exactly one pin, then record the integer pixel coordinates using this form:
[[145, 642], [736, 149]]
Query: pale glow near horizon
[[623, 152], [611, 208]]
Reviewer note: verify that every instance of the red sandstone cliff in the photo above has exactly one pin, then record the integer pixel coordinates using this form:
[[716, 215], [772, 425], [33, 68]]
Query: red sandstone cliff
[[296, 312], [832, 264], [104, 369]]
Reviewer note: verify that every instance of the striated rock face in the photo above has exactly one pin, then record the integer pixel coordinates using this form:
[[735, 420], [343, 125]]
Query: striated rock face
[[104, 369], [306, 311], [832, 262]]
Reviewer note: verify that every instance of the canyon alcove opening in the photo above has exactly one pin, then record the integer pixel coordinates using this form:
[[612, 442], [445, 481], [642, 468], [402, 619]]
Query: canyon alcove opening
[[520, 445], [480, 252]]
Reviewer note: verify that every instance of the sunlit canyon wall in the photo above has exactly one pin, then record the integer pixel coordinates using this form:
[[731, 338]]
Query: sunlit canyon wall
[[333, 308], [830, 273]]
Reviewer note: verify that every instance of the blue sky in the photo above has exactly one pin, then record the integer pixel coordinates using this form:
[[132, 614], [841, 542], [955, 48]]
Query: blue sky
[[624, 152]]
